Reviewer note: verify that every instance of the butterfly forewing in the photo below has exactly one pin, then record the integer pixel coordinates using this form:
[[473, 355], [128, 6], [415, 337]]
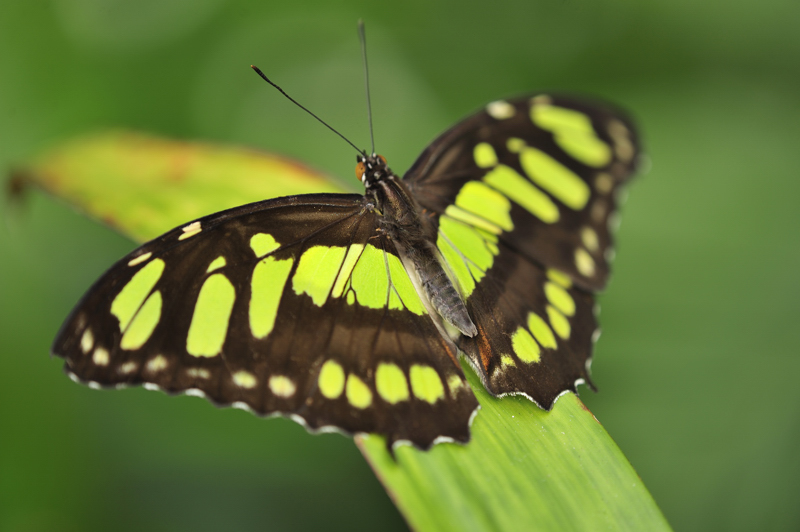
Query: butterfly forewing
[[294, 306], [545, 170]]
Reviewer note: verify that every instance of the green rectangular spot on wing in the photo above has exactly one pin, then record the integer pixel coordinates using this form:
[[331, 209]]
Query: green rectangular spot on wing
[[426, 383], [564, 184], [212, 313], [266, 285], [472, 244], [143, 323], [542, 332], [370, 280], [457, 265], [573, 132], [524, 346], [482, 206], [127, 303], [263, 243], [358, 393], [331, 379], [560, 298], [317, 271], [519, 190], [219, 262], [391, 383], [350, 260]]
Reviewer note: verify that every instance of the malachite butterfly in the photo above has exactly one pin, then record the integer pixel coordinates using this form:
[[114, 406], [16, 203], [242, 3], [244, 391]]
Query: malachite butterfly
[[349, 312]]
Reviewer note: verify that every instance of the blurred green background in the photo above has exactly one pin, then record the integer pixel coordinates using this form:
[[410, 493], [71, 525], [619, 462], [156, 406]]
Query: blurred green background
[[698, 362]]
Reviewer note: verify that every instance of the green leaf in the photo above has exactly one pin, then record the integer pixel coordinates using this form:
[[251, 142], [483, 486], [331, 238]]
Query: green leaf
[[143, 185], [525, 469]]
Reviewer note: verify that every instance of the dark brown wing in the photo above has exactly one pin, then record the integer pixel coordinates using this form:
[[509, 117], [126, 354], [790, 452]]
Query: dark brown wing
[[294, 306]]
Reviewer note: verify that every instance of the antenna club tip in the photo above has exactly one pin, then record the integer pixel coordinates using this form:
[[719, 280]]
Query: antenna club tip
[[258, 71]]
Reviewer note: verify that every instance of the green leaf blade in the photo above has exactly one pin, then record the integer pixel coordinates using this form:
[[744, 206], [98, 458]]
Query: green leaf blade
[[144, 185], [524, 469]]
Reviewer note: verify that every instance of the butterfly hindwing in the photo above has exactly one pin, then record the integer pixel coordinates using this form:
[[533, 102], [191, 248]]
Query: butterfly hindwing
[[295, 306], [541, 329], [522, 193]]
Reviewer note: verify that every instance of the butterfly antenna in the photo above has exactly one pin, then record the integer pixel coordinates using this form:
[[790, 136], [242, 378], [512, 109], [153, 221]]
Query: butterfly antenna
[[363, 38], [265, 78]]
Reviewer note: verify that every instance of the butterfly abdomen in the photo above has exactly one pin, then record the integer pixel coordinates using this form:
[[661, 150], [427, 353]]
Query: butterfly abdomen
[[442, 293]]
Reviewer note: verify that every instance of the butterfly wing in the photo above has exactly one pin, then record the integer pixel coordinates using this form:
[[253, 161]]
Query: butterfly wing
[[560, 163], [523, 194], [295, 306]]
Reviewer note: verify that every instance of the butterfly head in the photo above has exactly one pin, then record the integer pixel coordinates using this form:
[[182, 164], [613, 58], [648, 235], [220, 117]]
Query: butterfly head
[[371, 169]]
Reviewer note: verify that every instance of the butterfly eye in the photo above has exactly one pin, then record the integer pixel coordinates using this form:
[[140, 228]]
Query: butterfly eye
[[382, 158], [360, 169]]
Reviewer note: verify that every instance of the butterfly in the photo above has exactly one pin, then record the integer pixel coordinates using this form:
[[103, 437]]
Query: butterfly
[[350, 312]]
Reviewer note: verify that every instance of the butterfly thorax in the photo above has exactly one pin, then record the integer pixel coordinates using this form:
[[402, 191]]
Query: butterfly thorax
[[414, 236]]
